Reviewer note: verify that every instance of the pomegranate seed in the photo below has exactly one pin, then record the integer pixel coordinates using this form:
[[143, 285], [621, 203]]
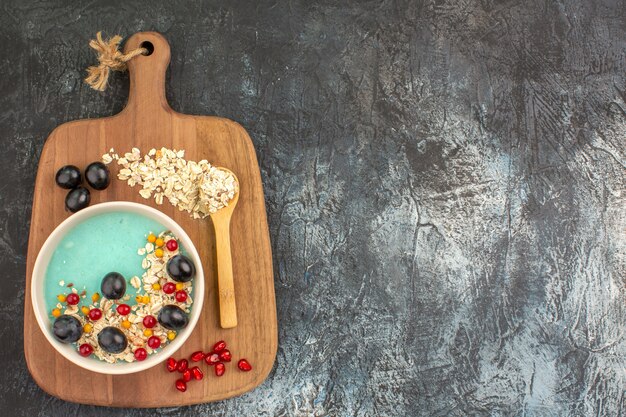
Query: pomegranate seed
[[95, 314], [171, 364], [181, 296], [149, 322], [85, 349], [181, 385], [123, 309], [212, 358], [197, 356], [219, 369], [244, 365], [171, 245], [219, 346], [154, 342], [169, 288], [141, 354], [187, 375], [72, 299], [225, 355], [197, 373], [182, 365]]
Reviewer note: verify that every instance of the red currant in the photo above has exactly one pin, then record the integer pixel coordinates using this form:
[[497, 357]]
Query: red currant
[[225, 355], [181, 296], [197, 373], [171, 245], [123, 309], [212, 358], [181, 385], [72, 299], [182, 365], [154, 342], [169, 288], [141, 354], [95, 314], [219, 346], [85, 349], [171, 364], [219, 369], [197, 356], [149, 322], [244, 365], [187, 375]]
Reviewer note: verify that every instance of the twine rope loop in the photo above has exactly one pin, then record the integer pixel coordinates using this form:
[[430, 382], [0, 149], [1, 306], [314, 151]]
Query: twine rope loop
[[110, 58]]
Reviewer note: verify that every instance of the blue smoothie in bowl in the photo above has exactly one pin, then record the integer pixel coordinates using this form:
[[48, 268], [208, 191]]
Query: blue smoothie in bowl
[[88, 252], [118, 286]]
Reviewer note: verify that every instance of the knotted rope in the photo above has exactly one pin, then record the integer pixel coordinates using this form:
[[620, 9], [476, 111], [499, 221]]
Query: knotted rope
[[110, 59]]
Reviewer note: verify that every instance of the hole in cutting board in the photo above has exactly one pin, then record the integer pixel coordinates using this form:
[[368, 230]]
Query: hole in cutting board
[[149, 47]]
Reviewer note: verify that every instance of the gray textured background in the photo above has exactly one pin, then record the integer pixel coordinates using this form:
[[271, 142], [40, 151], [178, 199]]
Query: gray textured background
[[444, 185]]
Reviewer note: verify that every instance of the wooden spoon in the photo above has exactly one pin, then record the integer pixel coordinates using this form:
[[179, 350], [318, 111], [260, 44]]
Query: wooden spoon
[[225, 284]]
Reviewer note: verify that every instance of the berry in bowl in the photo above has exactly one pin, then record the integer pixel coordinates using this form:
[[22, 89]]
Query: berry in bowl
[[117, 287]]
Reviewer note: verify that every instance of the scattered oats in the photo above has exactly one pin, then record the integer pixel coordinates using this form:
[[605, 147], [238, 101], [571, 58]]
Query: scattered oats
[[62, 283], [106, 304], [151, 279], [107, 158], [149, 247], [141, 251], [71, 309], [196, 187], [145, 193], [135, 282]]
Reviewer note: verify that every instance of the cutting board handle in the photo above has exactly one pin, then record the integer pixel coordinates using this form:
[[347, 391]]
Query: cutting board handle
[[147, 74]]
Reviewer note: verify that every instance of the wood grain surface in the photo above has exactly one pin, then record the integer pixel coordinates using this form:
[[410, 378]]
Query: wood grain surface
[[147, 122]]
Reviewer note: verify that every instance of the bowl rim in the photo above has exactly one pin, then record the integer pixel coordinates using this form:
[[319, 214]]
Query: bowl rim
[[38, 278]]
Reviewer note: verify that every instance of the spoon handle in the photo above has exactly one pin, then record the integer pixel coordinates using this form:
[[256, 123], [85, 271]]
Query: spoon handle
[[225, 284]]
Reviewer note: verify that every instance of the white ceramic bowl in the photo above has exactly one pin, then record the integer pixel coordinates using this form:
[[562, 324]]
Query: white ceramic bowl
[[39, 303]]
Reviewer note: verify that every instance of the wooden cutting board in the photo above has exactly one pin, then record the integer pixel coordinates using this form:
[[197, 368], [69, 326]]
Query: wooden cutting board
[[148, 122]]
